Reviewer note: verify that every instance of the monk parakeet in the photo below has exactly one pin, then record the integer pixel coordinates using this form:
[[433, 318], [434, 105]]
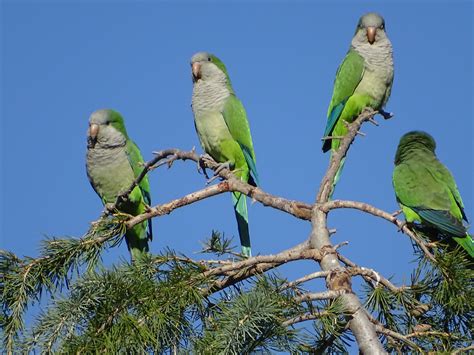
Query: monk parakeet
[[426, 190], [364, 79], [223, 129], [113, 163]]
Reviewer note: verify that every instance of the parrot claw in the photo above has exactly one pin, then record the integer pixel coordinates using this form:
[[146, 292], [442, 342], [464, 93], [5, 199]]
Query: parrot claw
[[219, 168], [206, 157], [210, 180], [201, 164], [109, 208], [386, 115]]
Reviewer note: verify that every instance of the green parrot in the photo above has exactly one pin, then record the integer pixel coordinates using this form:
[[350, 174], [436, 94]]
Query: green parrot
[[223, 129], [113, 162], [364, 80], [426, 190]]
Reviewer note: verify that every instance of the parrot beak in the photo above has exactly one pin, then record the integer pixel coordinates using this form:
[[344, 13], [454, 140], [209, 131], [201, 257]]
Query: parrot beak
[[371, 31], [92, 133], [196, 68]]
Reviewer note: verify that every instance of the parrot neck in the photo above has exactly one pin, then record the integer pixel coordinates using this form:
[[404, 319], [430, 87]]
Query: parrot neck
[[209, 96], [413, 152], [378, 55]]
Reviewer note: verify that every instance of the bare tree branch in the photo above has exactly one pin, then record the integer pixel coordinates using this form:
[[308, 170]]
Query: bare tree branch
[[361, 327], [370, 275], [390, 333], [280, 258], [256, 269], [331, 205], [304, 279], [314, 296], [305, 317]]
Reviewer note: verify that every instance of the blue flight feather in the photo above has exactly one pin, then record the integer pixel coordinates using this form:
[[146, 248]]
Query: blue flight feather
[[251, 164], [332, 120], [443, 220]]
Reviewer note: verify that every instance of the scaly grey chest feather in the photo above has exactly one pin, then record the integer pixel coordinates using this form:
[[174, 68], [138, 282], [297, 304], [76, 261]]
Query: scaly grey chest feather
[[109, 171], [208, 103], [378, 75]]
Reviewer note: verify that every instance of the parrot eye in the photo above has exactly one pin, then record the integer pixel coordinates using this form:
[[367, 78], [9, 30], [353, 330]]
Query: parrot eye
[[209, 59]]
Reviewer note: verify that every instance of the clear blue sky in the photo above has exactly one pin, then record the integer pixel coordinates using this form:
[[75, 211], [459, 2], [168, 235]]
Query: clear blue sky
[[61, 62]]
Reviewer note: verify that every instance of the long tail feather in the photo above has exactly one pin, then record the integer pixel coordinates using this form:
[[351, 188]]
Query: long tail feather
[[137, 240], [241, 214], [336, 177], [467, 243]]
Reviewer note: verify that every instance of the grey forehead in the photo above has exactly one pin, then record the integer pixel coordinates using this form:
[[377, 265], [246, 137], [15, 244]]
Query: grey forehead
[[371, 19], [100, 116], [199, 57]]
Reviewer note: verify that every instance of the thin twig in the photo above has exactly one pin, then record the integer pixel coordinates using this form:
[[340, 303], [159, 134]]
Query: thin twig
[[361, 206], [305, 317], [314, 296], [312, 276], [370, 274], [277, 258]]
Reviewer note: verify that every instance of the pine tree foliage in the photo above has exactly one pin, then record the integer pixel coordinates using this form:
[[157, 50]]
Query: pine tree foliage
[[229, 304], [436, 310], [245, 321], [24, 280]]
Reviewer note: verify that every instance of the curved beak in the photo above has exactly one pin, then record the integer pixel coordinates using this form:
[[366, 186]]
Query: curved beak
[[196, 68], [371, 32], [92, 133]]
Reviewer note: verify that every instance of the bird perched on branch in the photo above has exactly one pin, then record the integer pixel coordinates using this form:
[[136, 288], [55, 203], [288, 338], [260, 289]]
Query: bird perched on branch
[[364, 79], [426, 190], [223, 129], [113, 163]]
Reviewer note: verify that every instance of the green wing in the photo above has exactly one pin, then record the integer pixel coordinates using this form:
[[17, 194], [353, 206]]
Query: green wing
[[348, 76], [418, 188], [137, 163], [236, 120], [443, 175]]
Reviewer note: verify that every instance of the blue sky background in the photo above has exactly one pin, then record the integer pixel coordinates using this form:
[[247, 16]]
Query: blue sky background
[[60, 62]]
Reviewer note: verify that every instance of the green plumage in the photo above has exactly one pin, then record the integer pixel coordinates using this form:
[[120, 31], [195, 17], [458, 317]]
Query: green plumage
[[113, 163], [363, 80], [426, 190], [223, 129]]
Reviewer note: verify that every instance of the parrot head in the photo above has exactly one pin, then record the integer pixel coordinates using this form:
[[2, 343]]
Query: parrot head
[[106, 128], [370, 29], [208, 67], [414, 140]]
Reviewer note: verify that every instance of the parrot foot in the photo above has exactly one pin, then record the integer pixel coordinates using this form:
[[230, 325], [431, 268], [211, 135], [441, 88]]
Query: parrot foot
[[201, 164], [386, 115], [362, 134], [147, 208], [219, 168], [210, 180], [109, 208]]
